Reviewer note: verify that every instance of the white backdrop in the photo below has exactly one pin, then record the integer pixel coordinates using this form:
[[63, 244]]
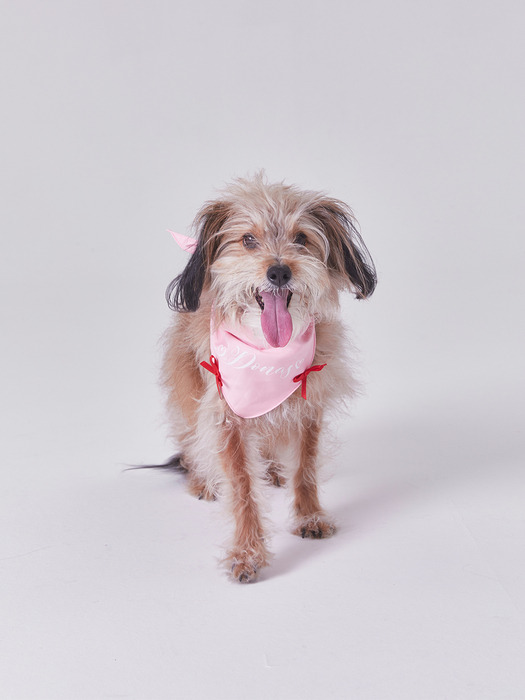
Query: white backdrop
[[118, 120]]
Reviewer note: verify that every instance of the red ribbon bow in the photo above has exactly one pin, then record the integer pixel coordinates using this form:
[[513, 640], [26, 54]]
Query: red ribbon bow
[[303, 376], [213, 367]]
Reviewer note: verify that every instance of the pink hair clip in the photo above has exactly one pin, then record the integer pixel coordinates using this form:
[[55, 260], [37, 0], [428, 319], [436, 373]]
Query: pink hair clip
[[187, 243]]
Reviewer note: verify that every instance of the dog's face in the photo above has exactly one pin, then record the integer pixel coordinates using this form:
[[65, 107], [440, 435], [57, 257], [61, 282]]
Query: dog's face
[[274, 257]]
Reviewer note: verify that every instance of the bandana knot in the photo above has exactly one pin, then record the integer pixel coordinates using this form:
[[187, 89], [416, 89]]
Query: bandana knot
[[304, 375], [213, 367]]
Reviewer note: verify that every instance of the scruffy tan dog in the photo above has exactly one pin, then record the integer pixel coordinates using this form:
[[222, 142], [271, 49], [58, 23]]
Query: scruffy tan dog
[[256, 354]]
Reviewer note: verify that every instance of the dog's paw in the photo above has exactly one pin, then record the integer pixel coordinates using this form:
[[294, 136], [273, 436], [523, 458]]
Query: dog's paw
[[315, 527], [244, 571], [201, 489], [274, 474], [244, 566]]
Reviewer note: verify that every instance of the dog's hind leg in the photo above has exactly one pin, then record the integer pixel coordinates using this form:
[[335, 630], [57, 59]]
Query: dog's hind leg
[[275, 470], [311, 520], [201, 489], [274, 473], [202, 481], [248, 553]]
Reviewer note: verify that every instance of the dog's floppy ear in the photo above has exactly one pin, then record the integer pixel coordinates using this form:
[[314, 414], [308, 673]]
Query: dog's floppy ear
[[183, 293], [348, 254]]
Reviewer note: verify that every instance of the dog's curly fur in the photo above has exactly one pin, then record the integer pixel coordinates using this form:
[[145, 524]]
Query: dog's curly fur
[[252, 226]]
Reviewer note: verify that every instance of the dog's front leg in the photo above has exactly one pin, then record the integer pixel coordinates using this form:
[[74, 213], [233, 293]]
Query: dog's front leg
[[248, 553], [311, 520]]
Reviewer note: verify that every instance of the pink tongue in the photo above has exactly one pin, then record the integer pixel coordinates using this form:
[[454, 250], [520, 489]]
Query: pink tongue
[[276, 322]]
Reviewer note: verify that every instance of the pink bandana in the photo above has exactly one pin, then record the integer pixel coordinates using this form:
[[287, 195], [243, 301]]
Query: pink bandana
[[253, 379]]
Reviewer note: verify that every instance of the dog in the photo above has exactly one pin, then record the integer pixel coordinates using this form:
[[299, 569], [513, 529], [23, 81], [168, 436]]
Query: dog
[[256, 355]]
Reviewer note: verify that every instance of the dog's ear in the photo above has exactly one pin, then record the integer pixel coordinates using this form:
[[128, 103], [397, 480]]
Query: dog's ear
[[183, 293], [348, 253]]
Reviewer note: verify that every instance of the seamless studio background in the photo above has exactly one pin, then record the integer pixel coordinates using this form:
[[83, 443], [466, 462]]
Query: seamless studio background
[[118, 120]]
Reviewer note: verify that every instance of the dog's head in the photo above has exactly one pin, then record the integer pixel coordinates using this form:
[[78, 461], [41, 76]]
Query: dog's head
[[273, 257]]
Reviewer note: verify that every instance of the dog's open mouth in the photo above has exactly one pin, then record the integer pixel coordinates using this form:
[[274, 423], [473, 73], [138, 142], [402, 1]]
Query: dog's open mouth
[[276, 322], [259, 299]]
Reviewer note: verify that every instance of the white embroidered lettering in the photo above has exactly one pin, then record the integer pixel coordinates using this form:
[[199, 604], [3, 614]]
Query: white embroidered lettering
[[249, 359], [267, 370], [283, 371]]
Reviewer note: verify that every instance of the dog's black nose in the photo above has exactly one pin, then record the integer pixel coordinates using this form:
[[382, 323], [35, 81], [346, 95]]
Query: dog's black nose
[[279, 275]]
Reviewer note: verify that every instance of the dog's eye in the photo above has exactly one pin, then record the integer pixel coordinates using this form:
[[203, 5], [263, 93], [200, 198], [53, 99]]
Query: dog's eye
[[300, 239], [249, 241]]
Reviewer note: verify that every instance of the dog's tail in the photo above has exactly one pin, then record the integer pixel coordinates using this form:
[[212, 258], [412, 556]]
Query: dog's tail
[[174, 464]]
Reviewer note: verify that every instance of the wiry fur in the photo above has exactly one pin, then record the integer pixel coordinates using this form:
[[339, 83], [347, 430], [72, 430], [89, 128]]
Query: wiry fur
[[315, 236]]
